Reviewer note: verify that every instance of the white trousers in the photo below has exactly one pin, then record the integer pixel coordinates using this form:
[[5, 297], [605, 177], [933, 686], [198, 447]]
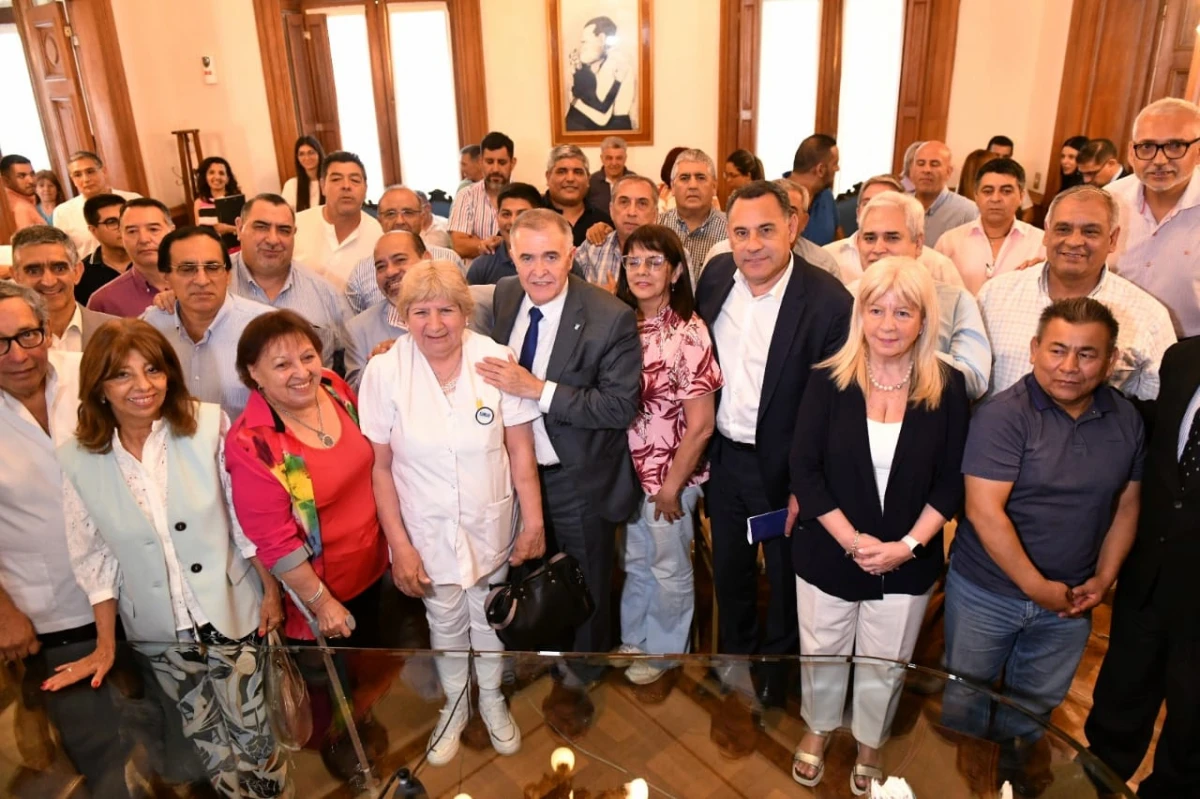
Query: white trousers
[[881, 628], [457, 624]]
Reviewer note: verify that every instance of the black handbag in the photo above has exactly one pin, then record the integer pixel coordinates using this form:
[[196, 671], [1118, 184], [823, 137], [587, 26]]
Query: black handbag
[[541, 605]]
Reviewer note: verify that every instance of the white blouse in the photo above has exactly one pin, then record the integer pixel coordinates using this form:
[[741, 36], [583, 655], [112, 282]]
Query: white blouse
[[97, 569], [314, 192], [883, 437]]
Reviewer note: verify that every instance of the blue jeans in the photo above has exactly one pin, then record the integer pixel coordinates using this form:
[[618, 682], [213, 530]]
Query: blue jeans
[[657, 601], [988, 633]]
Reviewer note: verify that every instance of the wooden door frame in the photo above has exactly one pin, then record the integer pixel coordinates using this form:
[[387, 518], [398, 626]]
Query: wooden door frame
[[466, 41]]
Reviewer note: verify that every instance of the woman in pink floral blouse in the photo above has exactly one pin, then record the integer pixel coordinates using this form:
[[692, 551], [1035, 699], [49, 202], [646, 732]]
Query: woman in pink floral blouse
[[668, 438]]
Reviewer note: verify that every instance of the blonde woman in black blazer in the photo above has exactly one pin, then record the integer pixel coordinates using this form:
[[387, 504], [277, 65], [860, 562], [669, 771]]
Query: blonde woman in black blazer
[[868, 548]]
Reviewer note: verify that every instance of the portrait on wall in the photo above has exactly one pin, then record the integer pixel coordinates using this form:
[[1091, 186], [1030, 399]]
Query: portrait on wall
[[600, 73]]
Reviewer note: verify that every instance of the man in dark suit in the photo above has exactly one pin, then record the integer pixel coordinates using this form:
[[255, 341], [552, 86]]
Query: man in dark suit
[[773, 316], [581, 359], [1154, 648]]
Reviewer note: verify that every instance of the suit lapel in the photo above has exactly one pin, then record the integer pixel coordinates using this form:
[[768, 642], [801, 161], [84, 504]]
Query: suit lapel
[[506, 301], [1170, 417], [570, 330], [791, 310]]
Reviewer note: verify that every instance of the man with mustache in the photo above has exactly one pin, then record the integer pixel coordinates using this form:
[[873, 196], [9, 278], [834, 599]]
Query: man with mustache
[[1081, 231], [1160, 209], [265, 272], [372, 330], [16, 173], [473, 227], [400, 208], [699, 225], [567, 185], [208, 321]]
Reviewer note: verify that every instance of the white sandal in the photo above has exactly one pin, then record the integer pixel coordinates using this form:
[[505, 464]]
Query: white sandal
[[802, 758], [868, 773]]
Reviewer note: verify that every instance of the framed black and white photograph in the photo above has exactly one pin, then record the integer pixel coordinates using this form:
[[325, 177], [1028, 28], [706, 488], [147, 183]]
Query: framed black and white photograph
[[600, 74]]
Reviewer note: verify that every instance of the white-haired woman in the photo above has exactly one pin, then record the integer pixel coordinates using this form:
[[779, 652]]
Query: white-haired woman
[[449, 450], [868, 549]]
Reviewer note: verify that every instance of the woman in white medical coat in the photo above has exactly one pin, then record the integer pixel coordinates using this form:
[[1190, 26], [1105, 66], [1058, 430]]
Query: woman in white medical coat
[[449, 451]]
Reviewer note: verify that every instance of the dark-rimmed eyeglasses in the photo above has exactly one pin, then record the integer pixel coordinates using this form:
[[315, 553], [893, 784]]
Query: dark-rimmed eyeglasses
[[1148, 150], [655, 263], [26, 340]]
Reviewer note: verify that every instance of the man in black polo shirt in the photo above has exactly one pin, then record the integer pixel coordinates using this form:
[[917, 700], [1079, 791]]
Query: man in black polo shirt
[[108, 261], [567, 190], [1053, 470]]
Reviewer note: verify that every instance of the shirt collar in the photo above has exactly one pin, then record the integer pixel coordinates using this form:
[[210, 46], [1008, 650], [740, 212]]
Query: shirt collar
[[243, 274], [140, 281], [1102, 398], [678, 222], [76, 320], [551, 311], [777, 290], [938, 202], [215, 324], [119, 448], [1189, 199], [1044, 280]]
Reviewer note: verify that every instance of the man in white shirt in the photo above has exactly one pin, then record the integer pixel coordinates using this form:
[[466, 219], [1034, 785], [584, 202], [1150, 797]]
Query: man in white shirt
[[930, 171], [893, 224], [87, 172], [997, 241], [1097, 163], [333, 238], [45, 617], [845, 251], [1160, 210], [44, 260], [1081, 232], [208, 321]]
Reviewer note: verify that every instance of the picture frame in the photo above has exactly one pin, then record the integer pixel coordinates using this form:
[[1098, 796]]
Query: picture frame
[[601, 74]]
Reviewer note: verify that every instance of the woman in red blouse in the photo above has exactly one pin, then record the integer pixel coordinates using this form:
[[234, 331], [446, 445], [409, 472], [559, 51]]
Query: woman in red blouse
[[301, 475]]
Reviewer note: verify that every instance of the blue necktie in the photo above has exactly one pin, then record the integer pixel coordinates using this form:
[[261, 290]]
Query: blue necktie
[[529, 345]]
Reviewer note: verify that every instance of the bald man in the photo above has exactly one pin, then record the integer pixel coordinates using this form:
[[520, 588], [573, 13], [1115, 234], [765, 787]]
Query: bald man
[[394, 253], [930, 172]]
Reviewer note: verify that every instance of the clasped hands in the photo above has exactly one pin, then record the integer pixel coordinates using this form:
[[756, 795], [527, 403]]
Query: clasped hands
[[879, 557]]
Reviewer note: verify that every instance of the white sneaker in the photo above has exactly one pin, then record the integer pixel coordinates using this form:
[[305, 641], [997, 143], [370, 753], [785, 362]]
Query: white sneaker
[[443, 743], [505, 735], [621, 658], [643, 672]]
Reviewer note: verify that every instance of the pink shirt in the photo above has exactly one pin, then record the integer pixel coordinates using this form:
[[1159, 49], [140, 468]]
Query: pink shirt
[[968, 247], [677, 364], [127, 295]]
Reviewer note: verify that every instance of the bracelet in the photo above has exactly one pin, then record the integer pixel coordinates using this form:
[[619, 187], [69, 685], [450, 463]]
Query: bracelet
[[853, 550], [320, 593]]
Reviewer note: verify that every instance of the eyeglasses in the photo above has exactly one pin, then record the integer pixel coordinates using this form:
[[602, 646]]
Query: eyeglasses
[[407, 213], [654, 263], [112, 223], [191, 268], [1148, 150], [26, 340]]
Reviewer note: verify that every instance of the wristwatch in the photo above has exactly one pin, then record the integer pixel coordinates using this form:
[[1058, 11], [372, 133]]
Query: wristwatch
[[917, 548]]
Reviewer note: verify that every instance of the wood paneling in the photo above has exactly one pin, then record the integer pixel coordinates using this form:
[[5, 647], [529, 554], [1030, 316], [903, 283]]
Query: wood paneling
[[930, 32], [311, 74], [1106, 73], [466, 41], [1176, 41], [829, 73], [281, 105], [741, 29], [379, 44], [108, 108]]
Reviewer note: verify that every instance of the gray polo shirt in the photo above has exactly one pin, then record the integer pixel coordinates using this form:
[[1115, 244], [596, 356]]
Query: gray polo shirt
[[1067, 475]]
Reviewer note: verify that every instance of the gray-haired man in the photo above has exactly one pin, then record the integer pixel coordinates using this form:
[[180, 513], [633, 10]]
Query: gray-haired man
[[567, 188], [613, 152]]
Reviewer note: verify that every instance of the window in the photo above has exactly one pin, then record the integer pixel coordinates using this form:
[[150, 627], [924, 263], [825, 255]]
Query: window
[[872, 50], [787, 80], [426, 113], [20, 131], [355, 91]]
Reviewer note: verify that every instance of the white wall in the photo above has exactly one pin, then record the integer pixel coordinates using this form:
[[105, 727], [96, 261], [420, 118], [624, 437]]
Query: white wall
[[516, 44], [1008, 65], [162, 42]]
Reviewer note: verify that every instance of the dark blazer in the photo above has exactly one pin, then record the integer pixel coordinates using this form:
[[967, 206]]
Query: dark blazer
[[814, 316], [832, 469], [597, 364], [1167, 547]]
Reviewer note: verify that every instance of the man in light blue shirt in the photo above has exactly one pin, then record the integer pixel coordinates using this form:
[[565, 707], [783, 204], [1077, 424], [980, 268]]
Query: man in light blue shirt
[[208, 321], [930, 171], [264, 272]]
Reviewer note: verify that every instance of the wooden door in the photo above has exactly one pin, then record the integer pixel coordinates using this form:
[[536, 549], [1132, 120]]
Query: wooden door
[[311, 70], [55, 82], [923, 109], [1176, 41]]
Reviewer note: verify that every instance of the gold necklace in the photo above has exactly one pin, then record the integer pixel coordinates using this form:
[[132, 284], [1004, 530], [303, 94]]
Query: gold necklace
[[325, 439]]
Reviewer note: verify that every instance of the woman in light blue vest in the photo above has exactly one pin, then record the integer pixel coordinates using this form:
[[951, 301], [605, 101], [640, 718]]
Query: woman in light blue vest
[[152, 536]]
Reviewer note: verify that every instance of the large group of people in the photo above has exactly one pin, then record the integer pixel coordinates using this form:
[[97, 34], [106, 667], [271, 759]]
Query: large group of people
[[214, 427]]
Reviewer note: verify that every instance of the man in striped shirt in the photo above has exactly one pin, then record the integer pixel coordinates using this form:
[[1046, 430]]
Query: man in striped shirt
[[473, 227], [699, 225], [634, 203]]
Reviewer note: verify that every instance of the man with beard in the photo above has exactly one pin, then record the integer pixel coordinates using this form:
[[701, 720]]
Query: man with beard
[[567, 188], [1160, 209], [16, 172], [473, 227], [814, 165]]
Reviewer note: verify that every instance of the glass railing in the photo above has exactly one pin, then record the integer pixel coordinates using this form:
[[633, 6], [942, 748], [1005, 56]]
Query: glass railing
[[696, 731]]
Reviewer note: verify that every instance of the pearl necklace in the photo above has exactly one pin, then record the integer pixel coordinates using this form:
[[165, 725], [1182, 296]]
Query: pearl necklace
[[881, 387]]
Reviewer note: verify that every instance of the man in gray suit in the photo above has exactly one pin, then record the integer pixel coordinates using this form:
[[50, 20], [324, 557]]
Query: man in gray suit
[[380, 324], [581, 359], [45, 260]]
